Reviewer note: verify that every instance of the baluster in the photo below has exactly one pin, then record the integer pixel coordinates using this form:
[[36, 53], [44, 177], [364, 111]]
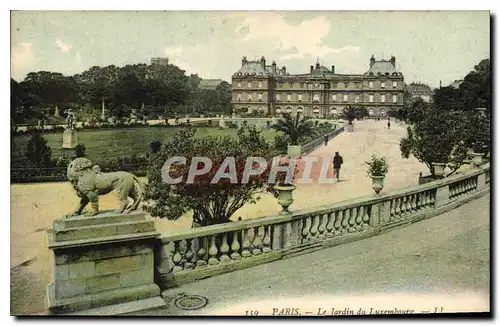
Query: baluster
[[266, 242], [182, 251], [366, 219], [224, 249], [396, 208], [212, 251], [413, 202], [188, 255], [202, 253], [452, 190], [305, 230], [177, 258], [314, 227], [330, 225], [235, 247], [432, 198], [352, 221], [247, 242], [288, 241], [345, 221], [338, 223], [257, 241], [195, 247], [407, 205], [322, 226], [392, 212], [359, 218]]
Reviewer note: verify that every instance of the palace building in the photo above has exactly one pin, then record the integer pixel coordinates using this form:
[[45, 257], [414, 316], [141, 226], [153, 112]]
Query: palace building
[[321, 92]]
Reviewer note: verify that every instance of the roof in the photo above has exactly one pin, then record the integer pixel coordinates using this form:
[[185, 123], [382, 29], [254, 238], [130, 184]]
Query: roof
[[210, 83], [415, 88], [257, 68], [382, 67]]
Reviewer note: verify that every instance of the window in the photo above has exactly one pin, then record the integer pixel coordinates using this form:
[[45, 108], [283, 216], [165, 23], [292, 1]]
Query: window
[[260, 96], [249, 97], [370, 98], [370, 84], [341, 85], [358, 85], [382, 98], [334, 98], [345, 97], [394, 84], [288, 97], [301, 85], [334, 85], [290, 85], [249, 84], [260, 84], [394, 98], [356, 99], [300, 97], [277, 97], [238, 96], [316, 98], [382, 84], [280, 85], [239, 84]]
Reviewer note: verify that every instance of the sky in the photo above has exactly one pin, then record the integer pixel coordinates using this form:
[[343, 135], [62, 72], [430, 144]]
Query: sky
[[429, 46]]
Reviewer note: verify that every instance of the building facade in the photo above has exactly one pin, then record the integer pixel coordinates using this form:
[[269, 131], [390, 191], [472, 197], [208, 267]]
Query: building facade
[[419, 90], [159, 61], [321, 92], [210, 84]]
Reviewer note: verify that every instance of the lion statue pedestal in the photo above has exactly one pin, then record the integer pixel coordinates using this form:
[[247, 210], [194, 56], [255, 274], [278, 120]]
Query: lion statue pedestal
[[103, 265]]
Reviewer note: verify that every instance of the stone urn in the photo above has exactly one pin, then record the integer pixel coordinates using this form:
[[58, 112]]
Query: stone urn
[[349, 127], [477, 159], [294, 150], [285, 196], [377, 183], [439, 169]]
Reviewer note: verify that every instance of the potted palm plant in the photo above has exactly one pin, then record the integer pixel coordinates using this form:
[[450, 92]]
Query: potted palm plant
[[349, 114], [295, 128], [377, 169]]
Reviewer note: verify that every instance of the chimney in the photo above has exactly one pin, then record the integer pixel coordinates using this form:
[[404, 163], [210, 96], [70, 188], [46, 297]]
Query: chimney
[[333, 68], [312, 68], [283, 70], [244, 61], [372, 61], [393, 60], [263, 62], [274, 66]]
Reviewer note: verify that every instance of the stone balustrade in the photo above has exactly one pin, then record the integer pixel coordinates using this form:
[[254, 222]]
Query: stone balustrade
[[198, 253], [318, 142]]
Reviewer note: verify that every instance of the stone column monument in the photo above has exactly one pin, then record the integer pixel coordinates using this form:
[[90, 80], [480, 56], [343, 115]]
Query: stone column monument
[[70, 139]]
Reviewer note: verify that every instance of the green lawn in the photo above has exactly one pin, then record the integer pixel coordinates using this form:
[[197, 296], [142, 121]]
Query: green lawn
[[102, 145]]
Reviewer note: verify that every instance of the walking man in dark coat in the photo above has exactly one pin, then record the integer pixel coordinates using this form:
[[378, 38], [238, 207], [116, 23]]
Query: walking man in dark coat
[[326, 140], [337, 163]]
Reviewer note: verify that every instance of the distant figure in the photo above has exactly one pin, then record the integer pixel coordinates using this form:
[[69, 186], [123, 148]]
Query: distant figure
[[337, 163], [388, 124], [326, 140], [378, 118]]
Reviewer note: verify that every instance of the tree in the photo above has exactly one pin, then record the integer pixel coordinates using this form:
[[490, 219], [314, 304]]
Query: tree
[[155, 146], [437, 138], [224, 93], [38, 152], [417, 111], [475, 88], [211, 203], [80, 150], [295, 128], [448, 98]]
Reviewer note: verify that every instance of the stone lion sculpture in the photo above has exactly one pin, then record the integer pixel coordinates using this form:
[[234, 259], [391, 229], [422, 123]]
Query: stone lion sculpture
[[89, 182]]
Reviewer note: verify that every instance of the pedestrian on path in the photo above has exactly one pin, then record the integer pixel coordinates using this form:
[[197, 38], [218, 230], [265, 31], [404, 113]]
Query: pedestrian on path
[[337, 164], [388, 124], [326, 140]]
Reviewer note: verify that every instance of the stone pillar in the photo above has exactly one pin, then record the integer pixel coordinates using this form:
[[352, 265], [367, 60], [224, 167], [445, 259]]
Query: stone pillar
[[103, 265], [442, 196], [70, 141], [481, 180], [380, 213]]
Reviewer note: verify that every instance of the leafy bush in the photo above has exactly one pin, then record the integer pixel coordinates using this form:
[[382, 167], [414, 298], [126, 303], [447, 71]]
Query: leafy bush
[[80, 150], [38, 152], [377, 166]]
